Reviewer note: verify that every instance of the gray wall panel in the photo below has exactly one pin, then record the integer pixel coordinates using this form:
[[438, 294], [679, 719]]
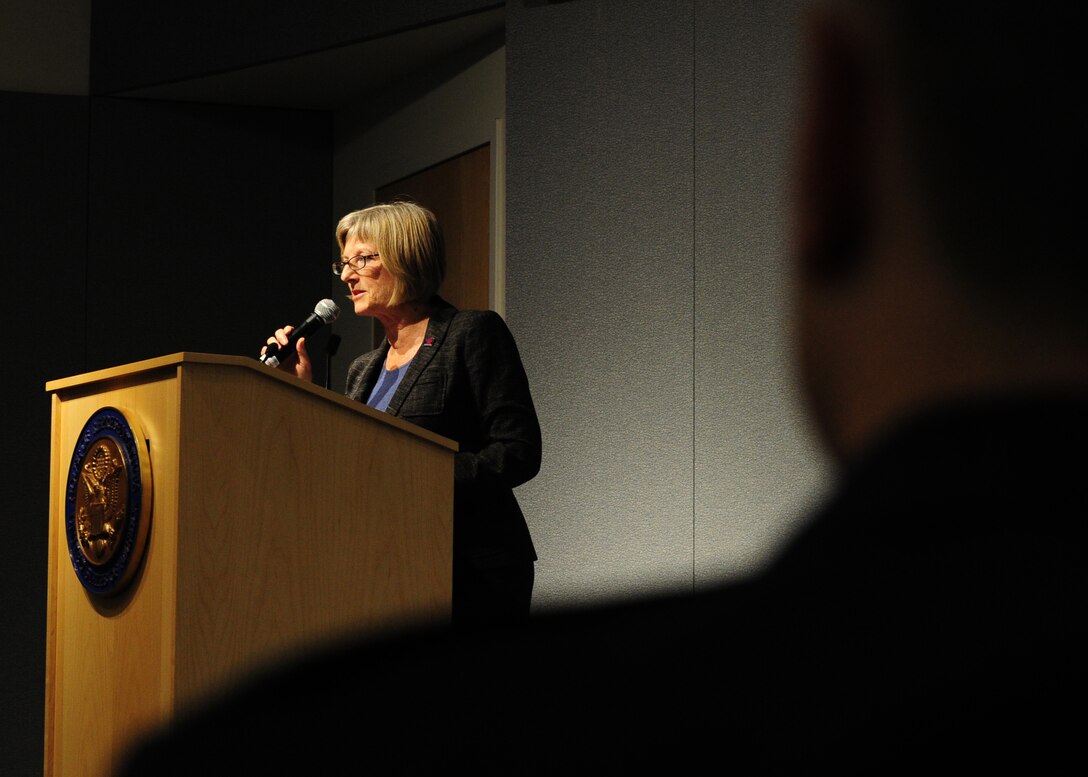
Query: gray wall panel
[[648, 285], [756, 464], [599, 287]]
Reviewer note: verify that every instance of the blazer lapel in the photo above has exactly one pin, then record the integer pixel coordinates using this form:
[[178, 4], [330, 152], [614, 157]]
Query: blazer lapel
[[432, 341]]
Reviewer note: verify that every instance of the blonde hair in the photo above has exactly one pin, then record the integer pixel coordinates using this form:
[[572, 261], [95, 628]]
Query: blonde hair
[[409, 241]]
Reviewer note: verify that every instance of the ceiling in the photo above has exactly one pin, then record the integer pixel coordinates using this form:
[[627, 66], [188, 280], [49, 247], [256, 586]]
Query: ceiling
[[328, 79]]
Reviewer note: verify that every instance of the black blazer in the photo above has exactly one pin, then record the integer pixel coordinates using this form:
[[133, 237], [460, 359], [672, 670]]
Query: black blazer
[[467, 383]]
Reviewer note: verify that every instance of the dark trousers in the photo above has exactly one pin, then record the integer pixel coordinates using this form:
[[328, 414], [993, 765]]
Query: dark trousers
[[493, 595]]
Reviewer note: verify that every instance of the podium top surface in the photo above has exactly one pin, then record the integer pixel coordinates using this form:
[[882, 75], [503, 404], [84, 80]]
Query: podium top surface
[[180, 360]]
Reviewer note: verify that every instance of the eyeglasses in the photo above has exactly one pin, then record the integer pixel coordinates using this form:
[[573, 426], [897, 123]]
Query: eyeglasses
[[355, 263]]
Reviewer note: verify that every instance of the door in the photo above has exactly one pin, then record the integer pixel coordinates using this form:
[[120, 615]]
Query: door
[[458, 191]]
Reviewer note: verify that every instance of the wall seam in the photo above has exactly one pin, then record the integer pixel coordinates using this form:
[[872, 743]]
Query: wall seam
[[694, 258]]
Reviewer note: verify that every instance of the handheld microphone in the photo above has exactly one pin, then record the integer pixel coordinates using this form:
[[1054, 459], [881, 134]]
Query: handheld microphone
[[325, 312]]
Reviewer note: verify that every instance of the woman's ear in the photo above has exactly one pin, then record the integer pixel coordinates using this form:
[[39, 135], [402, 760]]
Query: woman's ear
[[835, 180]]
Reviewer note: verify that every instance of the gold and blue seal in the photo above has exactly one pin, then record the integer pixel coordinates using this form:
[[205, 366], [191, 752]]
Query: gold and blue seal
[[107, 508]]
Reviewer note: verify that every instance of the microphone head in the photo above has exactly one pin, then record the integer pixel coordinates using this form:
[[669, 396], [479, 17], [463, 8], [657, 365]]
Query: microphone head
[[327, 310]]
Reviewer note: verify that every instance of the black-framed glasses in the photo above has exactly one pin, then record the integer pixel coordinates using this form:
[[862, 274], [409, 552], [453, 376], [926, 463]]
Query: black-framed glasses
[[355, 263]]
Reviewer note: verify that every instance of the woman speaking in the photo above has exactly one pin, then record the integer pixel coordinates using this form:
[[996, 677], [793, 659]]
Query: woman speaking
[[456, 373]]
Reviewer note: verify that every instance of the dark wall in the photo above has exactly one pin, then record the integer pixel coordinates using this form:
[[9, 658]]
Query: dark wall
[[209, 226], [43, 234], [134, 229]]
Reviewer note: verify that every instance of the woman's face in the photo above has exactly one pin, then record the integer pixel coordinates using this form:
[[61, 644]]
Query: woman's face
[[372, 287]]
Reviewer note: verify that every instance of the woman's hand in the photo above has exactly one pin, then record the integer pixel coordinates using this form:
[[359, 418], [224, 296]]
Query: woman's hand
[[298, 363]]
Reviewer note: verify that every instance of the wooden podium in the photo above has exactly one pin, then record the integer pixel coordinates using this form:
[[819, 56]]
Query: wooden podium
[[281, 515]]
